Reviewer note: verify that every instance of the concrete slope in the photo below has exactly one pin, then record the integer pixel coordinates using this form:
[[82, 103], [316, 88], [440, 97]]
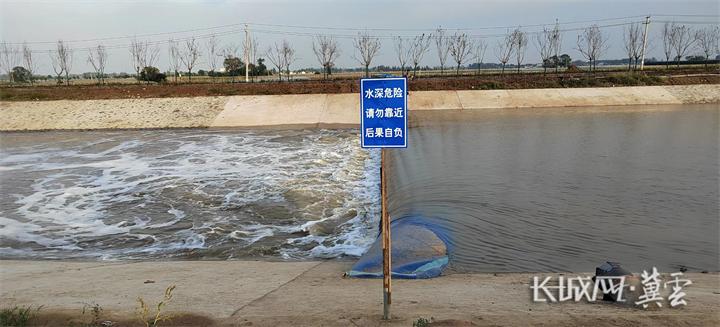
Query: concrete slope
[[342, 109], [316, 110]]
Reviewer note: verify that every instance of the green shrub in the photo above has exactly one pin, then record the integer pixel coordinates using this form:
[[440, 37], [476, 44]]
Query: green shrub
[[491, 86], [421, 322], [17, 316], [152, 74], [630, 79]]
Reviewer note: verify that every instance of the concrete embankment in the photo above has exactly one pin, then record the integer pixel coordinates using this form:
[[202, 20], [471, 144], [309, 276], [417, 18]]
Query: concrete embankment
[[315, 110], [244, 293]]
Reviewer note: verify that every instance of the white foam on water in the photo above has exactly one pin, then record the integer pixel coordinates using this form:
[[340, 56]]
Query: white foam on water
[[358, 233], [113, 195]]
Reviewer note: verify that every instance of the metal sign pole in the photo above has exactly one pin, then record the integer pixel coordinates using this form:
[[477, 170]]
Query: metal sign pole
[[387, 290]]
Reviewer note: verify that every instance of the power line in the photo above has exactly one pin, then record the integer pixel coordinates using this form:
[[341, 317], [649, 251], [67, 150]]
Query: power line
[[684, 22], [312, 34], [131, 36], [450, 29], [335, 35], [687, 15], [356, 29]]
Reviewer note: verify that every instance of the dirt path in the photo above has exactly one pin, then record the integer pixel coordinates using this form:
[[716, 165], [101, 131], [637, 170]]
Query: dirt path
[[254, 293]]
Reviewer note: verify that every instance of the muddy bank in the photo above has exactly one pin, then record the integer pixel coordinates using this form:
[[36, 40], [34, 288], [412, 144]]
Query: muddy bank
[[314, 110]]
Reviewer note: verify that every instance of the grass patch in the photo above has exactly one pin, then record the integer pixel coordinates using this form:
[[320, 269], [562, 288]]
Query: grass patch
[[491, 86], [421, 322], [580, 82], [17, 316], [95, 312], [7, 95], [633, 79]]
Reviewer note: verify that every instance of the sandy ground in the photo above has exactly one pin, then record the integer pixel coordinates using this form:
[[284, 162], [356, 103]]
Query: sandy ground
[[255, 293], [110, 114]]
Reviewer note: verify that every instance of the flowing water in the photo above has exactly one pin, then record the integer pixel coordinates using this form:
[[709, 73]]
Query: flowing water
[[187, 194], [565, 190], [516, 190]]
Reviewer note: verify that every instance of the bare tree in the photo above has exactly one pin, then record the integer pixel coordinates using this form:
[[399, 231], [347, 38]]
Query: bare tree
[[153, 55], [254, 46], [137, 54], [707, 41], [55, 62], [189, 55], [591, 44], [684, 39], [668, 38], [504, 50], [545, 44], [174, 55], [367, 48], [520, 42], [643, 49], [419, 45], [211, 45], [143, 54], [633, 43], [9, 58], [230, 52], [480, 49], [556, 38], [402, 50], [442, 44], [29, 61], [275, 55], [63, 59], [98, 59], [326, 51], [460, 48], [288, 57]]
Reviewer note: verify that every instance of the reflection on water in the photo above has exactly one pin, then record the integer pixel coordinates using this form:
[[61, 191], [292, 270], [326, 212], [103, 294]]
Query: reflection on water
[[187, 194], [549, 190]]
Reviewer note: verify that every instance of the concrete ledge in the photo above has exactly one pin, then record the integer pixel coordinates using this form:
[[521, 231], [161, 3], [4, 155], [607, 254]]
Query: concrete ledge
[[316, 110], [244, 293]]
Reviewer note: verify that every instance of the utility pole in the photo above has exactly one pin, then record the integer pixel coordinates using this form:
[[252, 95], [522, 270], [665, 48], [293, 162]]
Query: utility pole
[[247, 54], [645, 36]]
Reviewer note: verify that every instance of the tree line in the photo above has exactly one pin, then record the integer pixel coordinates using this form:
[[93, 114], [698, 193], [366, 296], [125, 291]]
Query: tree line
[[183, 56]]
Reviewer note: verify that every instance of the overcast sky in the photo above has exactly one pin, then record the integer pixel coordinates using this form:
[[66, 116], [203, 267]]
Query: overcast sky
[[39, 21]]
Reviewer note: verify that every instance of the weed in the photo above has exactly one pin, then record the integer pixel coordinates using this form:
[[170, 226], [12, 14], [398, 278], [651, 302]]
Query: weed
[[633, 79], [491, 86], [95, 311], [421, 322], [17, 316], [153, 320]]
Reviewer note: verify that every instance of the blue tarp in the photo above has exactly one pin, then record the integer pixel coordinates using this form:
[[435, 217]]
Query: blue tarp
[[419, 250]]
